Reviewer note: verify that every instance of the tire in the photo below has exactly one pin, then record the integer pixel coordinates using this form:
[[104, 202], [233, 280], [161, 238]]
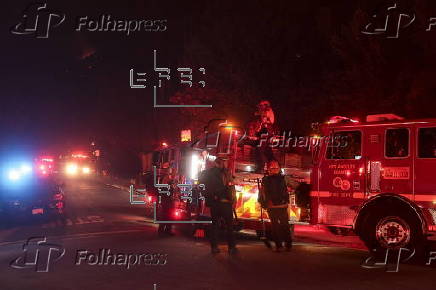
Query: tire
[[394, 229]]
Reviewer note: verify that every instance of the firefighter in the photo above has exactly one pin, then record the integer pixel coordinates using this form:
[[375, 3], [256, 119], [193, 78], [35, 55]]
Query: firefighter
[[260, 131], [265, 111], [220, 198], [166, 205], [274, 197]]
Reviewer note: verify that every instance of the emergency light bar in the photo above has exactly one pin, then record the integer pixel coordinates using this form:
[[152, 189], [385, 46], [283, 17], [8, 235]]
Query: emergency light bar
[[383, 117], [341, 119]]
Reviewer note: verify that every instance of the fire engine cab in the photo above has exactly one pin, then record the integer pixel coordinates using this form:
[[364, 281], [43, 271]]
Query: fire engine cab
[[379, 180]]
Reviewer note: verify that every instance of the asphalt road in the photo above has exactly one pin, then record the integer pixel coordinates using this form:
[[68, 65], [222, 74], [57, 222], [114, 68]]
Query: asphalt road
[[100, 217]]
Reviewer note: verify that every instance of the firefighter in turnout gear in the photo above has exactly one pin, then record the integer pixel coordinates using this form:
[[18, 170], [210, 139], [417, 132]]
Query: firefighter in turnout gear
[[274, 197], [220, 198]]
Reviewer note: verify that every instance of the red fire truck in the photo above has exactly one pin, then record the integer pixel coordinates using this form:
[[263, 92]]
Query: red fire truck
[[45, 165], [186, 161], [379, 182]]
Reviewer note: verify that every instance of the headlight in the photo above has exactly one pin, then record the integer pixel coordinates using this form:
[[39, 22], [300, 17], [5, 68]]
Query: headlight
[[86, 170], [195, 163], [71, 169], [14, 174], [19, 172], [26, 168]]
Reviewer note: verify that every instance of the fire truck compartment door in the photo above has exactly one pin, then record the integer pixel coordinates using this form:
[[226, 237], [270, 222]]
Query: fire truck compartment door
[[374, 177], [389, 159]]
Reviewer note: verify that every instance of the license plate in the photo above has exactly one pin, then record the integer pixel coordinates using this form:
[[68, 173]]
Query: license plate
[[37, 211]]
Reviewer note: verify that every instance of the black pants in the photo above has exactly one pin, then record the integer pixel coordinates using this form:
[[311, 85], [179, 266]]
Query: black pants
[[164, 228], [222, 212], [281, 231]]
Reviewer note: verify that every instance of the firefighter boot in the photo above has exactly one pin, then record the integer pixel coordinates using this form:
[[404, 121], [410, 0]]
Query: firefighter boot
[[233, 251], [288, 246]]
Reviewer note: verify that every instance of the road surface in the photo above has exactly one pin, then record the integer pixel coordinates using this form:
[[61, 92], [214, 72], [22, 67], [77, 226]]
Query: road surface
[[100, 219]]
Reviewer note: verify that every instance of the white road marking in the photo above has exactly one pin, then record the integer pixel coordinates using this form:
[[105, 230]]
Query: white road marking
[[95, 218], [79, 236], [80, 221], [92, 219]]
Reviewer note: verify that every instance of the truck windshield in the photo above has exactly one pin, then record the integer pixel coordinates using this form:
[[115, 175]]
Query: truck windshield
[[345, 145]]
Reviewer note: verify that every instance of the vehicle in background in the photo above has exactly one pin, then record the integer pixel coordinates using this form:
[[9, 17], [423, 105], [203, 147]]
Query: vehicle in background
[[45, 165], [188, 159], [77, 165], [150, 179], [25, 191]]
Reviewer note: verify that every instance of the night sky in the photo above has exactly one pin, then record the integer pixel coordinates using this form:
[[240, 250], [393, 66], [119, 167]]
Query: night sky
[[308, 58]]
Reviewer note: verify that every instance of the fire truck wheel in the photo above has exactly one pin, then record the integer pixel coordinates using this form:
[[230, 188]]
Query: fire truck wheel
[[393, 230]]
